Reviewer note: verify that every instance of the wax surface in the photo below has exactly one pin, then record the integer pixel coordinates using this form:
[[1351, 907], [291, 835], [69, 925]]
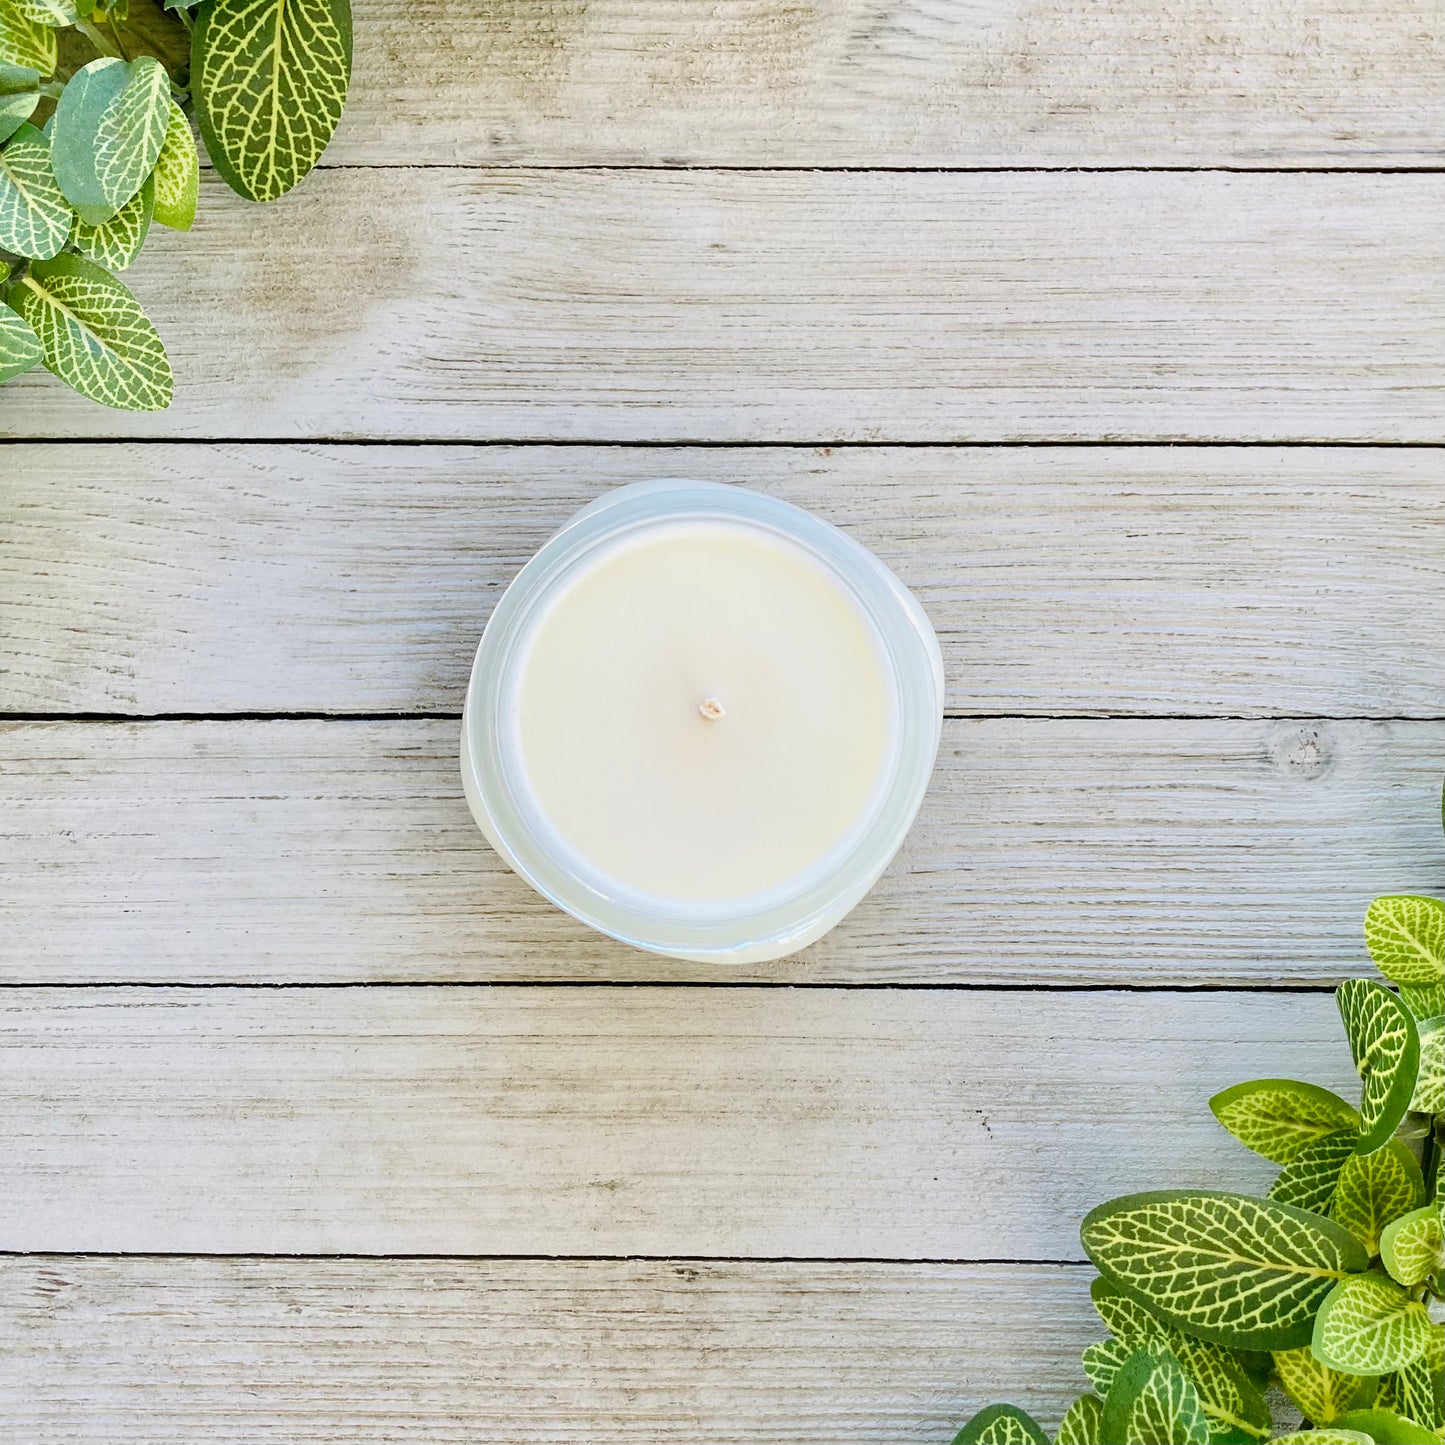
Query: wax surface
[[620, 752]]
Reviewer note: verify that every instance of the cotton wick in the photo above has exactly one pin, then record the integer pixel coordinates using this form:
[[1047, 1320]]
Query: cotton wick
[[711, 709]]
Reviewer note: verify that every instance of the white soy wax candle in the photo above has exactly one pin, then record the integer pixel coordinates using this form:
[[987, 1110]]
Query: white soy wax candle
[[702, 720]]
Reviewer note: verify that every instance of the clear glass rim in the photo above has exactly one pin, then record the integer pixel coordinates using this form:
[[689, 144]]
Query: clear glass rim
[[788, 919]]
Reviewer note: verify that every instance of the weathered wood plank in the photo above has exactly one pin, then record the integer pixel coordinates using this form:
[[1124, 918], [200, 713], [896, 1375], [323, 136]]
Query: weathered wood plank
[[586, 1352], [797, 306], [899, 1123], [896, 82], [1052, 852], [1127, 580]]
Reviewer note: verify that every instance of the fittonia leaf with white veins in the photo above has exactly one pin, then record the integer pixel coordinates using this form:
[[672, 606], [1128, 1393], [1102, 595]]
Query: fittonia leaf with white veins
[[117, 242], [1309, 1180], [23, 42], [109, 126], [1405, 934], [1320, 1392], [1083, 1422], [177, 175], [1369, 1325], [1417, 1391], [1244, 1272], [1324, 1437], [1153, 1402], [1001, 1425], [1412, 1247], [1386, 1050], [1430, 1084], [269, 79], [20, 347], [34, 218], [96, 337], [55, 13], [1233, 1402], [1279, 1117], [19, 95], [1375, 1189]]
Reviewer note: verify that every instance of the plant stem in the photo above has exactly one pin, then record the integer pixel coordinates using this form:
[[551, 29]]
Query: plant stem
[[98, 40], [54, 89], [115, 35]]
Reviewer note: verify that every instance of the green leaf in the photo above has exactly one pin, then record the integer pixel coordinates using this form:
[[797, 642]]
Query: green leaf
[[1152, 1402], [1375, 1189], [1368, 1325], [1001, 1425], [1308, 1181], [1103, 1361], [1083, 1422], [1321, 1393], [1385, 1427], [109, 126], [23, 42], [55, 13], [1234, 1405], [1427, 1002], [1324, 1437], [1418, 1390], [1430, 1085], [177, 174], [34, 219], [1279, 1117], [1127, 1320], [1412, 1247], [96, 337], [1244, 1272], [20, 348], [117, 243], [269, 79], [1406, 938], [1386, 1050], [19, 95]]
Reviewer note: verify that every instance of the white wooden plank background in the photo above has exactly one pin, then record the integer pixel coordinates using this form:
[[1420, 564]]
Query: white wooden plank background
[[1048, 851], [1257, 627], [897, 83], [882, 1124], [1235, 581], [796, 306], [542, 1352]]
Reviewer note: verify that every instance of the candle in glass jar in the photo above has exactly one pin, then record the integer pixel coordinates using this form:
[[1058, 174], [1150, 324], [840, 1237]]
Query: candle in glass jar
[[701, 720]]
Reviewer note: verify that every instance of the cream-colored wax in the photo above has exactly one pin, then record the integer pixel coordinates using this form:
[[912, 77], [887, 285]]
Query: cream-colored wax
[[703, 713]]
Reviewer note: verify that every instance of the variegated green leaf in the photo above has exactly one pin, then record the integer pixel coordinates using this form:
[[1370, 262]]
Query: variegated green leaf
[[1104, 1360], [1127, 1320], [1430, 1085], [1406, 938], [1152, 1402], [1425, 1001], [117, 242], [1231, 1400], [1375, 1189], [34, 219], [20, 347], [1418, 1391], [1279, 1117], [1324, 1437], [177, 174], [1385, 1427], [110, 123], [1321, 1393], [1001, 1425], [19, 95], [1412, 1247], [23, 42], [1386, 1051], [1083, 1422], [96, 337], [1244, 1272], [269, 79], [55, 13], [1308, 1181], [1368, 1325]]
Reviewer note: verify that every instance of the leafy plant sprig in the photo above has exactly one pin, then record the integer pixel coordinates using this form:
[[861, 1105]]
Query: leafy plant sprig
[[96, 101], [1322, 1288]]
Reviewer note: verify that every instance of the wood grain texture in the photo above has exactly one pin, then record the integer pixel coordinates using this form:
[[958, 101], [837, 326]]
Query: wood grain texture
[[897, 83], [216, 579], [569, 1121], [452, 1352], [1051, 852], [807, 306]]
